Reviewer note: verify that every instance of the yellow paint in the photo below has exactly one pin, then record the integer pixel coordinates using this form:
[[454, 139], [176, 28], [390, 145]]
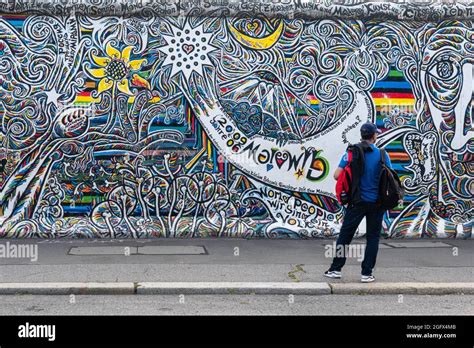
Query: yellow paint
[[194, 159], [262, 43], [209, 149], [396, 101], [80, 99]]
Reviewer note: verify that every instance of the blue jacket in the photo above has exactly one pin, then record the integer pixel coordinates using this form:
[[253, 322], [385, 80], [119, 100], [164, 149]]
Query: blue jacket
[[368, 182]]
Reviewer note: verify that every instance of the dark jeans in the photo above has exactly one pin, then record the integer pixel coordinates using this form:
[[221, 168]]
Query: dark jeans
[[354, 215]]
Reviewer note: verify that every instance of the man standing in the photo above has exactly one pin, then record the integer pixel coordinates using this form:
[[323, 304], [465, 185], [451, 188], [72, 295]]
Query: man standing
[[366, 166]]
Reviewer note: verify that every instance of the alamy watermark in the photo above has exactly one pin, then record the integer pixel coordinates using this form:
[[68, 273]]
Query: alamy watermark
[[20, 251], [355, 251], [28, 330]]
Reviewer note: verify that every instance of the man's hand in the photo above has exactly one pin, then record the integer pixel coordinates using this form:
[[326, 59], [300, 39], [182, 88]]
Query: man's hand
[[337, 172]]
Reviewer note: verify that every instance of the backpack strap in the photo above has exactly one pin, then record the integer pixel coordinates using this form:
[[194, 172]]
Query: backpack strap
[[357, 167], [382, 156], [360, 152], [350, 153]]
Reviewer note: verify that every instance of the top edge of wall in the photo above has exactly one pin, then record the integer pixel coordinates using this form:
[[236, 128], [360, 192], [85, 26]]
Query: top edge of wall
[[420, 10]]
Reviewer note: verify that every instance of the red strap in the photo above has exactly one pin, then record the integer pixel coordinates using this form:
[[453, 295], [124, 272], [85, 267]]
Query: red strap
[[349, 156]]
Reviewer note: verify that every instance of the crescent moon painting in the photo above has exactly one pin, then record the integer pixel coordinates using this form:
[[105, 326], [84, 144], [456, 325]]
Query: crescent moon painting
[[257, 43]]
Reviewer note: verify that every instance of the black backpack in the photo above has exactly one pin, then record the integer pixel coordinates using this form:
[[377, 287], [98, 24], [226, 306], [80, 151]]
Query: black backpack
[[390, 187]]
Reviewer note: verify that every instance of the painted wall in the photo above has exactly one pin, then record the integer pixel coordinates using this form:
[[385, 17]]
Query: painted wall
[[206, 124]]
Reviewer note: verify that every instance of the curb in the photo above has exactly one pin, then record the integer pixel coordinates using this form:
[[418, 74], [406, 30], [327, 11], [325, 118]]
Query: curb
[[402, 288], [226, 288], [200, 288], [85, 288]]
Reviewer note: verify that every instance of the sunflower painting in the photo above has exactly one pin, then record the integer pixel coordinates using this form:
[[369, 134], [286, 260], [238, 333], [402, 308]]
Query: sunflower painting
[[116, 71]]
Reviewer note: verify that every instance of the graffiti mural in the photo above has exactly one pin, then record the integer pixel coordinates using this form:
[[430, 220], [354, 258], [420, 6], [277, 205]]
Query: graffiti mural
[[224, 125]]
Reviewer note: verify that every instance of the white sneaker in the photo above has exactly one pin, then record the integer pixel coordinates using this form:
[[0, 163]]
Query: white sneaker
[[333, 274], [367, 279]]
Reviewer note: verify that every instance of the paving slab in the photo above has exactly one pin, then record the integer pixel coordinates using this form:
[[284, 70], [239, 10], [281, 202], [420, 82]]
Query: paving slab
[[417, 244], [381, 245]]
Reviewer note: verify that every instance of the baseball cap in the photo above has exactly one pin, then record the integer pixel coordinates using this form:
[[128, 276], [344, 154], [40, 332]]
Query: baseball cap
[[369, 129]]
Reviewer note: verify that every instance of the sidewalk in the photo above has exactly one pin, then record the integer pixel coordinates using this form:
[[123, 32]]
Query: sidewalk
[[159, 266]]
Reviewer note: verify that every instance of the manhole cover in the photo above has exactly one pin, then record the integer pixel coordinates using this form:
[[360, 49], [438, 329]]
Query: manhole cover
[[172, 250], [103, 250]]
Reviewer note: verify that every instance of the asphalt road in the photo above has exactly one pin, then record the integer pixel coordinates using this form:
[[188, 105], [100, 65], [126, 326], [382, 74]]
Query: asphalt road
[[237, 305]]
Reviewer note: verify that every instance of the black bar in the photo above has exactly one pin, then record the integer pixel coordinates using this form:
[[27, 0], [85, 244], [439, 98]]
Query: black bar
[[240, 330]]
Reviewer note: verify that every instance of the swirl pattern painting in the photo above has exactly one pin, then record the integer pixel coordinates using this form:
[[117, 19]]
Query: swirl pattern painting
[[229, 123]]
